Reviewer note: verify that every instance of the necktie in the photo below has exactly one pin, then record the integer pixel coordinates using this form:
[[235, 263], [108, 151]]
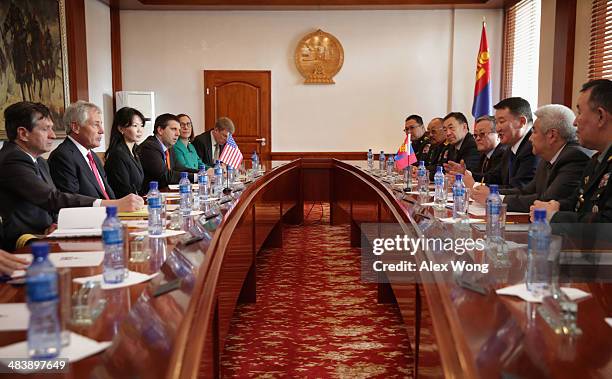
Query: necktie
[[94, 168], [485, 165], [511, 158], [168, 159], [38, 172], [217, 149]]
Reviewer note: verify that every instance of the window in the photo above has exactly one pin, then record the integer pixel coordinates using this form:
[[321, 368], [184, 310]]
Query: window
[[521, 51], [600, 48]]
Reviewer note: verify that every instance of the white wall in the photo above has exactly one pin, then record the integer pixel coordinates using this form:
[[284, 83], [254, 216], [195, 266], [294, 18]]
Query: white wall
[[396, 63], [99, 72]]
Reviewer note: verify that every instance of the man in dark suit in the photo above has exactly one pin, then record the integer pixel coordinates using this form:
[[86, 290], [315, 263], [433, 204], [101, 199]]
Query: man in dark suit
[[592, 199], [75, 168], [29, 200], [513, 120], [209, 144], [562, 160], [491, 153], [413, 125], [462, 143], [156, 153], [8, 261]]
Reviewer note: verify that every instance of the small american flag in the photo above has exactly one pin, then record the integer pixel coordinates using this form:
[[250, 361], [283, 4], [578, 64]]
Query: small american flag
[[231, 154]]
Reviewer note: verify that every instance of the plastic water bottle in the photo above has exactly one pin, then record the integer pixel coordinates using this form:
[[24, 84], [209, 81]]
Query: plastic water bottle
[[155, 210], [381, 161], [423, 181], [370, 160], [218, 184], [42, 296], [459, 197], [255, 162], [494, 205], [231, 175], [112, 239], [390, 166], [195, 198], [440, 189], [537, 254], [185, 192], [203, 190]]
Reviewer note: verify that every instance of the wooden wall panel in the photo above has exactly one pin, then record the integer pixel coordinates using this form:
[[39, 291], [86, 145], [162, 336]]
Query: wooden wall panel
[[77, 50]]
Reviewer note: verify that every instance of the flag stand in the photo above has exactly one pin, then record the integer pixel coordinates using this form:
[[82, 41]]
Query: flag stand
[[227, 190]]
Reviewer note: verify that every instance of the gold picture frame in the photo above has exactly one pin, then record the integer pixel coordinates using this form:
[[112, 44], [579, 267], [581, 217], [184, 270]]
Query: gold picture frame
[[34, 57], [319, 56]]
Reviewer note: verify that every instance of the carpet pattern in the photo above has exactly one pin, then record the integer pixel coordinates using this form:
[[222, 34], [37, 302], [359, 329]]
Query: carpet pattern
[[314, 318]]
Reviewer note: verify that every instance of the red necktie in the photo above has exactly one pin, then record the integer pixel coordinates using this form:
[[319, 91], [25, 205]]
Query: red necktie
[[94, 168], [168, 159]]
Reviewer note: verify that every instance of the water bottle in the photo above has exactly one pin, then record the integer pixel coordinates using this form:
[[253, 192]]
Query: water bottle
[[459, 196], [218, 184], [155, 209], [423, 181], [44, 340], [494, 205], [203, 190], [381, 161], [231, 175], [185, 192], [440, 190], [390, 166], [112, 239], [537, 254], [255, 162], [370, 160]]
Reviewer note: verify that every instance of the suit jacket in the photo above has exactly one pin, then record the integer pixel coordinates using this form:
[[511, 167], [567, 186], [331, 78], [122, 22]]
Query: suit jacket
[[522, 170], [72, 173], [486, 169], [153, 162], [555, 182], [124, 170], [203, 146], [421, 148], [467, 152], [591, 202], [29, 201]]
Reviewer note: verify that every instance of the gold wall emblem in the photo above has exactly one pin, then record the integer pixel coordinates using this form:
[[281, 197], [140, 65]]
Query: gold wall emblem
[[318, 57]]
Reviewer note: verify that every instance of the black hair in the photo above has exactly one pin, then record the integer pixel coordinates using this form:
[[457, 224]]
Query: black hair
[[163, 120], [418, 119], [123, 118], [186, 115], [457, 116], [601, 93], [517, 106], [23, 114]]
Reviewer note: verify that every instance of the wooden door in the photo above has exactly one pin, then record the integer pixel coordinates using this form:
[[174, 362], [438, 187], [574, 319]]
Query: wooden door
[[244, 97]]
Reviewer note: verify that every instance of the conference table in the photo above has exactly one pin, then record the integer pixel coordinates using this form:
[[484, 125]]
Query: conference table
[[175, 325]]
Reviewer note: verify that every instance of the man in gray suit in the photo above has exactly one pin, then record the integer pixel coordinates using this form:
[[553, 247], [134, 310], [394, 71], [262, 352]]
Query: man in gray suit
[[562, 160], [209, 144]]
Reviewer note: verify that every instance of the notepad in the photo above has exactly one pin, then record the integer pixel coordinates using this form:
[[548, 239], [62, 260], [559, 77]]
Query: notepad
[[144, 212], [79, 222], [80, 347]]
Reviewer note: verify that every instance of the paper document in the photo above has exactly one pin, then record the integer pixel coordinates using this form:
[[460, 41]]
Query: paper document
[[132, 279], [80, 347], [520, 290], [450, 220], [165, 234], [144, 212], [72, 259], [79, 222], [14, 316]]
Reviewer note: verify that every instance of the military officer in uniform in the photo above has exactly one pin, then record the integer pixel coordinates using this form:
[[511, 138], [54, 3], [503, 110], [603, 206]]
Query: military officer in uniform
[[420, 142], [439, 148], [592, 200]]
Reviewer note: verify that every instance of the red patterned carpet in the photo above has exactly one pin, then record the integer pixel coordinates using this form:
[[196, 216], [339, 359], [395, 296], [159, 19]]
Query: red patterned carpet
[[314, 318]]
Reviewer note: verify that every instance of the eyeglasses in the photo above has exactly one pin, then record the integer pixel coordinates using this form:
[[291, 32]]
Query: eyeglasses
[[186, 124]]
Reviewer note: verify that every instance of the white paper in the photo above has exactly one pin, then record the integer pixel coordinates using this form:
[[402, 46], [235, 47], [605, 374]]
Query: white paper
[[175, 195], [165, 234], [80, 347], [521, 291], [609, 321], [71, 259], [136, 223], [14, 316], [450, 220], [476, 209], [132, 279], [79, 232], [432, 204]]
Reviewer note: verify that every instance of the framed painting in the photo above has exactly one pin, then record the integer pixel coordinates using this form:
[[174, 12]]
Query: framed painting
[[33, 56]]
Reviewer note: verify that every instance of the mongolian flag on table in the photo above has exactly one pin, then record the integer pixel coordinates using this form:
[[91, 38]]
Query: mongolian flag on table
[[405, 155], [482, 90], [231, 154]]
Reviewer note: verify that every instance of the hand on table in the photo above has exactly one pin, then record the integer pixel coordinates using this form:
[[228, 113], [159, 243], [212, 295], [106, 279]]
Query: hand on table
[[480, 194], [10, 263], [551, 207], [128, 203]]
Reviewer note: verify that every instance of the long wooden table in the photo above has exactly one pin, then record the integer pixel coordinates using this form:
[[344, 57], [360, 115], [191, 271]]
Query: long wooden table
[[182, 333]]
